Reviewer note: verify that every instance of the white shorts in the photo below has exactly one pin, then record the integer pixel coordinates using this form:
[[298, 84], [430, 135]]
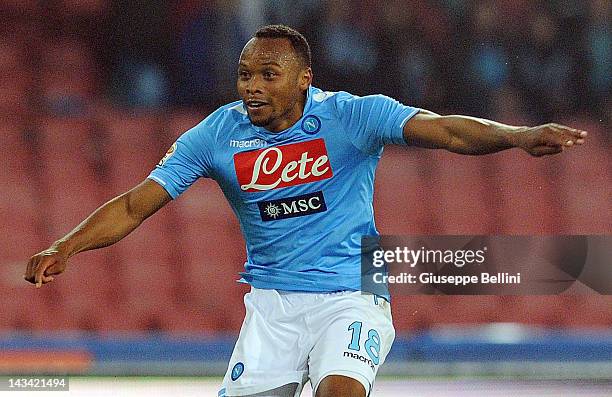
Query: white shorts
[[293, 337]]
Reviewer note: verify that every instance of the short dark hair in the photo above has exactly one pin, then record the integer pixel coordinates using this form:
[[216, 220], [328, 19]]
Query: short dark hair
[[298, 41]]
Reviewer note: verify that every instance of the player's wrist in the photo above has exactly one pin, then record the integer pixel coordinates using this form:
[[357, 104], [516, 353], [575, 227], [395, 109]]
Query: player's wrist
[[63, 248], [517, 137]]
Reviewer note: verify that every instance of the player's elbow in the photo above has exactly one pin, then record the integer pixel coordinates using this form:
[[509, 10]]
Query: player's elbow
[[130, 210]]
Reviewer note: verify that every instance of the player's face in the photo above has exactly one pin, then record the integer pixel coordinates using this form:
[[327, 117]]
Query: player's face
[[272, 82]]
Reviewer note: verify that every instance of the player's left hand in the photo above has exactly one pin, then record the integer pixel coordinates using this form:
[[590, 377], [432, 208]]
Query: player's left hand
[[549, 139], [43, 266]]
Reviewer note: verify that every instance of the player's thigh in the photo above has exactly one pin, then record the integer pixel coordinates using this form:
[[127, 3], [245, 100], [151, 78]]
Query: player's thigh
[[269, 353], [340, 386], [356, 338]]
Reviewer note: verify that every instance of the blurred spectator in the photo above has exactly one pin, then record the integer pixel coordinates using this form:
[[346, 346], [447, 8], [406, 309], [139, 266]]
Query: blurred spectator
[[543, 66], [195, 68], [207, 48], [296, 14], [489, 58], [141, 40], [450, 56], [600, 48], [349, 51], [446, 55]]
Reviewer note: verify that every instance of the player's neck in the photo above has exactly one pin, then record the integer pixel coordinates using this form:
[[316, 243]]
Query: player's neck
[[289, 118]]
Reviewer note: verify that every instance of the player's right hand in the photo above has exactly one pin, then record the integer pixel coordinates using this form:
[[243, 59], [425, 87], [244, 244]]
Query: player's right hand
[[43, 266]]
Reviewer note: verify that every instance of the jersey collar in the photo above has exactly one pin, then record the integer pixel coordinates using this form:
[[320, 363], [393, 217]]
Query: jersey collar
[[277, 136]]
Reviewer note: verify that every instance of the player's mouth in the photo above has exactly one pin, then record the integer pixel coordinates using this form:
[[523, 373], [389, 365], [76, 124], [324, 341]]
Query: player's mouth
[[255, 105]]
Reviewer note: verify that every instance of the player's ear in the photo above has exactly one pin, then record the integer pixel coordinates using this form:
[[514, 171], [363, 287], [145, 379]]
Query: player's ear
[[305, 78]]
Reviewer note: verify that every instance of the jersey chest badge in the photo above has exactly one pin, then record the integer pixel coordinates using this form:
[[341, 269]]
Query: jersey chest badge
[[281, 166]]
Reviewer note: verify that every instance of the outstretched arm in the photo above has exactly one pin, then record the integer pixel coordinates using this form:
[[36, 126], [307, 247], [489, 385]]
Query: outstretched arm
[[105, 226], [474, 136]]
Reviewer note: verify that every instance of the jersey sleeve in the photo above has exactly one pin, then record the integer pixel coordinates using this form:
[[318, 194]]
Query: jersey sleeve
[[375, 120], [188, 159]]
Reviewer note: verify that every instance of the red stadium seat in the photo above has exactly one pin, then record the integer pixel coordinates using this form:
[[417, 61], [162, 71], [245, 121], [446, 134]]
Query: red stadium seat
[[213, 314], [147, 264], [16, 79], [525, 190], [536, 310], [190, 319], [22, 235], [204, 202], [73, 188], [209, 260], [181, 121], [147, 250], [132, 147], [67, 73], [64, 55], [45, 309], [89, 283], [586, 195], [16, 155], [460, 193], [11, 56], [66, 135], [19, 201], [20, 8], [466, 310], [402, 198], [589, 311], [112, 319], [14, 94], [413, 313], [422, 312], [93, 287], [84, 8], [58, 85]]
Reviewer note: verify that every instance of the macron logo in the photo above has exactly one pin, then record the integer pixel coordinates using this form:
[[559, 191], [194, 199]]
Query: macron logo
[[250, 143]]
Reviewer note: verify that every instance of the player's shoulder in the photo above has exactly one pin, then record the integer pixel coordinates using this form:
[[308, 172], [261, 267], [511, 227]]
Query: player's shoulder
[[231, 113], [223, 119], [340, 100], [332, 101], [329, 97]]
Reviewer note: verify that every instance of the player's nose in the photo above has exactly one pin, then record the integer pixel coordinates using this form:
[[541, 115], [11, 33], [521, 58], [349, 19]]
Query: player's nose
[[254, 85]]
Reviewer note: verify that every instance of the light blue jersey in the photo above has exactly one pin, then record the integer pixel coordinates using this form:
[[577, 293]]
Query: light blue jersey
[[303, 196]]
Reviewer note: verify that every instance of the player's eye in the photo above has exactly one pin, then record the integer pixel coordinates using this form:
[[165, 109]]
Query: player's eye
[[269, 75], [243, 74]]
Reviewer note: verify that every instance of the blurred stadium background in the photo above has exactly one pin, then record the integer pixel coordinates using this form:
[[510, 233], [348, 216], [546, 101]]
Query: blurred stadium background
[[93, 92]]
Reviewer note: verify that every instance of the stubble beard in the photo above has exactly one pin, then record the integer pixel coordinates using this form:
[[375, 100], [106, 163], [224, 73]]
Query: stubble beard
[[261, 123]]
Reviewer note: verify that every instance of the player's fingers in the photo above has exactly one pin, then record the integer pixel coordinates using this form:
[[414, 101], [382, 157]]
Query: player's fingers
[[568, 136], [539, 151], [559, 138], [46, 279], [26, 274], [572, 131], [40, 271], [581, 134], [571, 141], [29, 273], [54, 269]]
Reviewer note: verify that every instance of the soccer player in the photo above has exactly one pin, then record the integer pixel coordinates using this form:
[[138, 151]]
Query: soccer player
[[297, 166]]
